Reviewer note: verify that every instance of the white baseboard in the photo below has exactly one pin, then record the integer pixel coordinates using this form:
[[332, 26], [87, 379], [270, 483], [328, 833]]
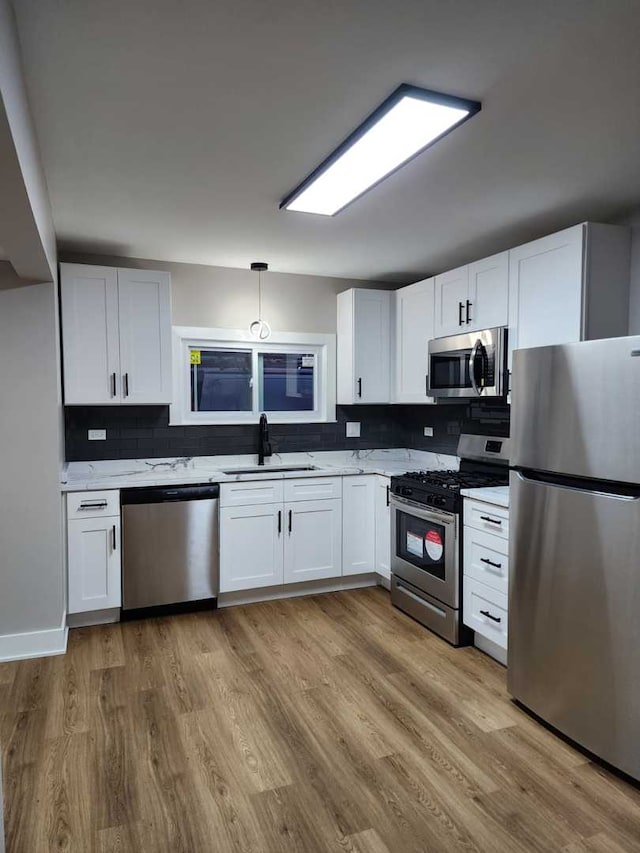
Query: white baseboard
[[294, 590], [93, 617], [34, 644], [384, 581]]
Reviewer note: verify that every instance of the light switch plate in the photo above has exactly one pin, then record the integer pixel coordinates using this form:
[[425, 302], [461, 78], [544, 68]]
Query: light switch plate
[[428, 431], [97, 435], [353, 429]]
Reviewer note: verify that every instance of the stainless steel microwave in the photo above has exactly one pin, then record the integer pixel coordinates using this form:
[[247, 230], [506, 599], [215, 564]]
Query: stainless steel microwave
[[472, 365]]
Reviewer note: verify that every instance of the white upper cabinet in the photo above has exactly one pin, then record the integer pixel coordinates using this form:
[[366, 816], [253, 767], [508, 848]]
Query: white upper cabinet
[[545, 291], [414, 318], [364, 346], [91, 344], [488, 293], [569, 286], [144, 301], [116, 335], [472, 297], [451, 295]]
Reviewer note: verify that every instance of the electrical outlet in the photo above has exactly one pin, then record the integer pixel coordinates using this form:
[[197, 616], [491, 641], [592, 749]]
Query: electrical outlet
[[97, 435], [353, 429], [428, 431]]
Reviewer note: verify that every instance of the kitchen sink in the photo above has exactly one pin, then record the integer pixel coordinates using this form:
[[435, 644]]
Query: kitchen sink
[[269, 469]]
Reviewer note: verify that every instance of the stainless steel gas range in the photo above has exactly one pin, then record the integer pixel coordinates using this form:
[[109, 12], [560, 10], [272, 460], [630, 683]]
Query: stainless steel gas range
[[426, 540]]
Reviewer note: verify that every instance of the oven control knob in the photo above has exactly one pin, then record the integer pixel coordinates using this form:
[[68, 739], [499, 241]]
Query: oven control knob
[[438, 500], [406, 492]]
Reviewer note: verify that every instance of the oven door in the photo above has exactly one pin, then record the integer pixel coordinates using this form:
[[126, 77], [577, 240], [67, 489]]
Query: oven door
[[468, 365], [424, 549]]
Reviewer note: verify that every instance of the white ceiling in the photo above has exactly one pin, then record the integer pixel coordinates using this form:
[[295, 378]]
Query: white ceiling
[[172, 130]]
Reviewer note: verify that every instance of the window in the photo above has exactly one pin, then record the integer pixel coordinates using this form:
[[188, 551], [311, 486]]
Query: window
[[224, 376]]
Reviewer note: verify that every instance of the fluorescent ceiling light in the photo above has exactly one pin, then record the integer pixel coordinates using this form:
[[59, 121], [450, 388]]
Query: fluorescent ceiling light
[[409, 121]]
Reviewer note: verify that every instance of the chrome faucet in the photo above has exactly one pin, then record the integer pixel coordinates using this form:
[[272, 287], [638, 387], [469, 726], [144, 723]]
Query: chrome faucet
[[264, 445]]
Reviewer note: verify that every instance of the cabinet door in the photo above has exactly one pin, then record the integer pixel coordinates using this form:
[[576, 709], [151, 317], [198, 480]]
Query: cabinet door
[[488, 293], [94, 564], [545, 291], [414, 329], [313, 541], [371, 358], [358, 524], [451, 294], [251, 546], [383, 527], [144, 301], [89, 301]]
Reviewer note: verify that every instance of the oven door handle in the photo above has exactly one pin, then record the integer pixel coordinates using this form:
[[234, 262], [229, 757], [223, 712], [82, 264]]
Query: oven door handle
[[472, 366], [426, 513]]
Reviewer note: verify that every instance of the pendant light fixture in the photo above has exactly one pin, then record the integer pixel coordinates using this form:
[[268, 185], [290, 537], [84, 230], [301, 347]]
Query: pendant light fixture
[[260, 329]]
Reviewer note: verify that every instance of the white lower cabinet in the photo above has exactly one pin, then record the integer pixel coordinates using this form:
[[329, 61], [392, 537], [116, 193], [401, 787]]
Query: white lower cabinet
[[486, 611], [383, 527], [341, 527], [486, 571], [93, 554], [282, 542], [251, 546], [358, 524], [313, 542]]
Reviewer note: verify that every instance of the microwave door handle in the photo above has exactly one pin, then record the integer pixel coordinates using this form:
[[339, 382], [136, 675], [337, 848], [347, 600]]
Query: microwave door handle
[[472, 366]]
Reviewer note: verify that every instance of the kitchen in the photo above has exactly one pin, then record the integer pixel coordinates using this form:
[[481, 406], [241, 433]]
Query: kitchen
[[342, 630]]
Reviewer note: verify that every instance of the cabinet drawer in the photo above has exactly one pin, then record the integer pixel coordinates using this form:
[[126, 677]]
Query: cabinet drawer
[[93, 504], [486, 558], [312, 489], [251, 492], [485, 610], [487, 517]]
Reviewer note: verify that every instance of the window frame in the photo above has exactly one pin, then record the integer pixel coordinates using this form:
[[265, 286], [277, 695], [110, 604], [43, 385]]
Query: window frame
[[322, 346]]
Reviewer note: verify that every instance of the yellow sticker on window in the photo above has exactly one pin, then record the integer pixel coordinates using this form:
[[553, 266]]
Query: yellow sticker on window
[[196, 357]]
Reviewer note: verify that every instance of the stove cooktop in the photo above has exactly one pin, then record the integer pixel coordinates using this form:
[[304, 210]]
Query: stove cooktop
[[455, 480], [441, 489]]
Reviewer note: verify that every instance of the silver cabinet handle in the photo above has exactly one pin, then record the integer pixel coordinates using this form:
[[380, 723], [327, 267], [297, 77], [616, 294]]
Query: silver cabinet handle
[[113, 384], [125, 380], [114, 538], [99, 505]]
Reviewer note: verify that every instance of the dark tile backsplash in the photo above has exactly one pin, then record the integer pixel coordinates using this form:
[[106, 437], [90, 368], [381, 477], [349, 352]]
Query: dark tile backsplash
[[144, 431]]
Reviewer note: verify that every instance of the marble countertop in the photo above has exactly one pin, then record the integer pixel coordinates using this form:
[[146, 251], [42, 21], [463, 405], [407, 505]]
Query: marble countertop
[[130, 473], [498, 495]]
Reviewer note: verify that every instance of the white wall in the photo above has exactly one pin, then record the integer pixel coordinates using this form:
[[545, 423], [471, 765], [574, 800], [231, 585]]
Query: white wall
[[26, 226], [634, 295], [31, 576], [228, 298], [32, 599]]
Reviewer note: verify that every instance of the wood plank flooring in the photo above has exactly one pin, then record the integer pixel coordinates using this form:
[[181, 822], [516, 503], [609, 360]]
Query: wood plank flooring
[[328, 723]]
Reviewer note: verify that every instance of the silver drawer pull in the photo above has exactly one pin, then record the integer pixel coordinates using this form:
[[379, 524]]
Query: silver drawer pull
[[100, 505], [417, 598], [490, 520]]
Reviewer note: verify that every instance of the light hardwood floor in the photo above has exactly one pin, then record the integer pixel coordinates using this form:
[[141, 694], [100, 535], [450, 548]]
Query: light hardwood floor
[[329, 723]]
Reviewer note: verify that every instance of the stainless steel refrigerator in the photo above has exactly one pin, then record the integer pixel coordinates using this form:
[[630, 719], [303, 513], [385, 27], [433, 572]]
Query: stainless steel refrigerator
[[574, 600]]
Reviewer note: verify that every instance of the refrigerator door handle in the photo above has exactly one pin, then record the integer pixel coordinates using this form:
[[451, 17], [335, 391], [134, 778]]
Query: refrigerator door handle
[[618, 491]]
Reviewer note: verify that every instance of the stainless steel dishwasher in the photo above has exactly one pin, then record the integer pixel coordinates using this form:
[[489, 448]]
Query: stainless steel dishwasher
[[170, 553]]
